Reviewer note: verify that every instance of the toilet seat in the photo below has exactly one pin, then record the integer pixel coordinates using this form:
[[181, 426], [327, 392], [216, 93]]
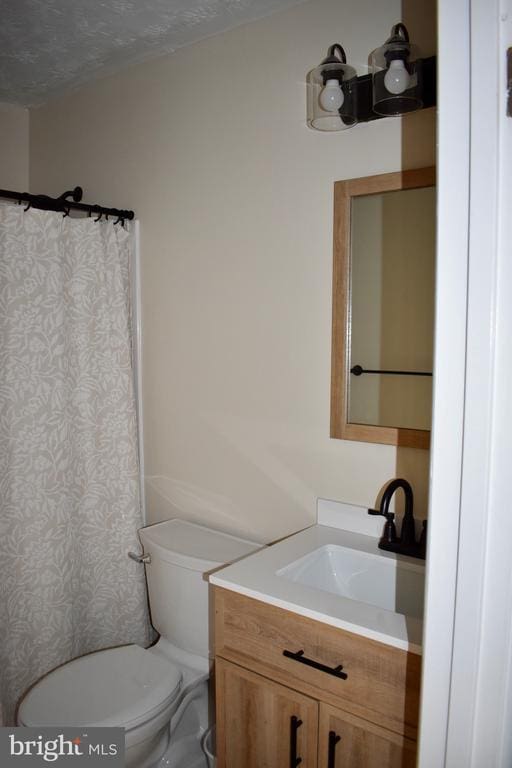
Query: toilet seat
[[123, 687]]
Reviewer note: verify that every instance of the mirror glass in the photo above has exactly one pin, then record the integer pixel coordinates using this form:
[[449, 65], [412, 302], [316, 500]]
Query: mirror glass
[[383, 334], [392, 304]]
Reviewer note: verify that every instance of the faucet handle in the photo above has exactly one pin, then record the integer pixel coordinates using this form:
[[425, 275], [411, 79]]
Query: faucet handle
[[389, 532], [389, 535]]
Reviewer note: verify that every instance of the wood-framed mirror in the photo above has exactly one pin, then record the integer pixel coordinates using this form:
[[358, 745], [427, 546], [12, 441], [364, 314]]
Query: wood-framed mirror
[[383, 308]]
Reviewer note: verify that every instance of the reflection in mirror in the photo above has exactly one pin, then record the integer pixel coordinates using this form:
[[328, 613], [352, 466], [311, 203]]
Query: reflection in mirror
[[383, 306], [392, 300]]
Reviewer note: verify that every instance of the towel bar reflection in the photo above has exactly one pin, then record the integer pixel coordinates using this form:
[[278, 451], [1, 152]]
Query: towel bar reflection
[[358, 370]]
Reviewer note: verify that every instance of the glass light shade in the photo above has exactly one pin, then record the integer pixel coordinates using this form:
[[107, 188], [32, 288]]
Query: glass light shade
[[331, 93], [396, 75]]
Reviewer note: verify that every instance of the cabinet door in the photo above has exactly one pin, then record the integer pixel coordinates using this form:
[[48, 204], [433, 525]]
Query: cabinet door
[[346, 741], [261, 724]]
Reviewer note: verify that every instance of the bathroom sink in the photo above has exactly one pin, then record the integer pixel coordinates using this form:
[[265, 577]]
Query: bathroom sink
[[382, 581]]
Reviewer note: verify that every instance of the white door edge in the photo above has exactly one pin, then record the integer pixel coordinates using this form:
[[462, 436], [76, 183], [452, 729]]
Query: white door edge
[[467, 676]]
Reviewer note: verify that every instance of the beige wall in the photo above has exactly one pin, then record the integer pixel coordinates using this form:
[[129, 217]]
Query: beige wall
[[14, 142], [234, 196]]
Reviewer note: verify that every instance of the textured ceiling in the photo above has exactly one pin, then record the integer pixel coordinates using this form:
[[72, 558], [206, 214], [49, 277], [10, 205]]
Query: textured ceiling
[[50, 46]]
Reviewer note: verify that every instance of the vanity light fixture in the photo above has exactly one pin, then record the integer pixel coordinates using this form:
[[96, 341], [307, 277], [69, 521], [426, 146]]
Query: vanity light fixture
[[398, 82], [331, 97]]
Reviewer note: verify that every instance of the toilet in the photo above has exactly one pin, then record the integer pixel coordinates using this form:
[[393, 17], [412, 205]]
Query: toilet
[[148, 692]]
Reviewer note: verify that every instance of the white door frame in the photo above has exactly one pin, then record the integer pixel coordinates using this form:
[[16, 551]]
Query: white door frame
[[449, 379], [467, 693]]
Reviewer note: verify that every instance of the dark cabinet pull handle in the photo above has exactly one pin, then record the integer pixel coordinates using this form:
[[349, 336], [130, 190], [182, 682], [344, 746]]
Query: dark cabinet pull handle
[[331, 755], [295, 724], [299, 656]]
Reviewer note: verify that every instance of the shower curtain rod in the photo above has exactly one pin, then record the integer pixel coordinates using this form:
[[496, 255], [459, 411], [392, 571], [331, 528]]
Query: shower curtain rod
[[64, 204]]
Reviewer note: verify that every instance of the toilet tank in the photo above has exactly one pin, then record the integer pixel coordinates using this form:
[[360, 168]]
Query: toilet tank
[[182, 554]]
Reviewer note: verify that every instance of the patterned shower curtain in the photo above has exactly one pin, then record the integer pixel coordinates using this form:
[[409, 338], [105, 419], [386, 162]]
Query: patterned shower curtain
[[69, 487]]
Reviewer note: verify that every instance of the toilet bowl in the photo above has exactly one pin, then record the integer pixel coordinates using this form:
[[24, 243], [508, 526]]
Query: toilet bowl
[[147, 691], [126, 687]]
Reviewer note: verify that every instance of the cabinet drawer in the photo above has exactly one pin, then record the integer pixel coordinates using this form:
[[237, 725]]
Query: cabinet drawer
[[381, 683]]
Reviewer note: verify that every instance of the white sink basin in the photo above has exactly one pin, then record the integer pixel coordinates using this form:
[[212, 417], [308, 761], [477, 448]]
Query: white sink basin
[[386, 582]]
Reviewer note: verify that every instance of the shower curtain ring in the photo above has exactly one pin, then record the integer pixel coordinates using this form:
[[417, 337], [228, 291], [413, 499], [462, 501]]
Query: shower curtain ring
[[99, 217], [28, 206]]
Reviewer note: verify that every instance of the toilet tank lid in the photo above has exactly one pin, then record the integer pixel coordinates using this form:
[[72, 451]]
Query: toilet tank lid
[[194, 546]]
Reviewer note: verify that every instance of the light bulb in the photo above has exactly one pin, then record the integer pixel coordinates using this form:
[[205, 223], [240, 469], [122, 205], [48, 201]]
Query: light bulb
[[397, 79], [331, 97]]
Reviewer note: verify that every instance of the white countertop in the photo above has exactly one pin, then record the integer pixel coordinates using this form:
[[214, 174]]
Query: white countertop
[[256, 576]]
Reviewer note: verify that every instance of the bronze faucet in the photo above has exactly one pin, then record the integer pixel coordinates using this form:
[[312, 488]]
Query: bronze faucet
[[406, 543]]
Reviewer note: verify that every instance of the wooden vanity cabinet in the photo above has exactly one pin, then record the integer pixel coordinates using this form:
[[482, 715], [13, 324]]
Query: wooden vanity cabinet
[[275, 707]]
